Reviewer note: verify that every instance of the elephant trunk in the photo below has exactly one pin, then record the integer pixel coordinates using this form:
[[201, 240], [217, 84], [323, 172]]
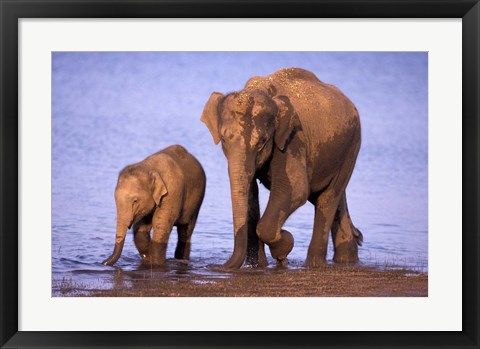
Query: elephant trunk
[[241, 176], [119, 241]]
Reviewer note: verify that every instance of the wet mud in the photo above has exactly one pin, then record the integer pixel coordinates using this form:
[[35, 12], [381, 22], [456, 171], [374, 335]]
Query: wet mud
[[183, 281]]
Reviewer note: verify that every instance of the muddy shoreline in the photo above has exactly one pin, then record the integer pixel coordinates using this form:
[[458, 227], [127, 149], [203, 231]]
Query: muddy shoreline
[[330, 281]]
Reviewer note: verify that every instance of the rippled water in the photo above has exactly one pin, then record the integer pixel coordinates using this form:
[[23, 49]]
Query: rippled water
[[113, 109]]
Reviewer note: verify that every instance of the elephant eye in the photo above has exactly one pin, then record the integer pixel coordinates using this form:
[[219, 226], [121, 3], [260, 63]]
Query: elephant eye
[[262, 143]]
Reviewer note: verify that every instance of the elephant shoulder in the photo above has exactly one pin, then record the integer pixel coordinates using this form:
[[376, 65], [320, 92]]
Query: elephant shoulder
[[170, 168]]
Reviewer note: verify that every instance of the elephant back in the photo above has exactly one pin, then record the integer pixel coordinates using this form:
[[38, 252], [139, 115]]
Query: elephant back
[[328, 117], [187, 163], [288, 74]]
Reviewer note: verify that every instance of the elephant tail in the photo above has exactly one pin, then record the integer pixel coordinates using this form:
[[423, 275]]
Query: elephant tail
[[358, 236]]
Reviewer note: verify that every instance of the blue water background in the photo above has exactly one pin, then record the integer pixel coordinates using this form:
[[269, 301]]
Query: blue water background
[[110, 109]]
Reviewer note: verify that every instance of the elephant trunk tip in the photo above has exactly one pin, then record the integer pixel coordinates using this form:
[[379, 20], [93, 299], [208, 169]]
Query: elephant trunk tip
[[109, 261], [117, 252], [358, 236]]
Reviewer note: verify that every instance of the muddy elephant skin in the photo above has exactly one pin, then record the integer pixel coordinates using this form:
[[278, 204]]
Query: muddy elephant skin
[[299, 137], [164, 190]]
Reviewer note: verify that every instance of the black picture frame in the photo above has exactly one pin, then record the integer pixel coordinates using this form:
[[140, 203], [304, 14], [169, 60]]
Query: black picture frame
[[11, 11]]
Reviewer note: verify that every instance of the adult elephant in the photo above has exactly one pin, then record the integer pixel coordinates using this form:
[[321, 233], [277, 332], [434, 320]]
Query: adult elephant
[[300, 137]]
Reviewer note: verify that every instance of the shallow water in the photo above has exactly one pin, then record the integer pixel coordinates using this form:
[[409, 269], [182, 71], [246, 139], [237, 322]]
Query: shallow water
[[113, 109]]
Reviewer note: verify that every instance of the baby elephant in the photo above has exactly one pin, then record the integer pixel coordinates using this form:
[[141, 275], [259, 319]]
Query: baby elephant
[[164, 190]]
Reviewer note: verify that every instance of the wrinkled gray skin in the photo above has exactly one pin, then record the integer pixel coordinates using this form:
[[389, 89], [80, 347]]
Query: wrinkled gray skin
[[300, 137], [164, 190]]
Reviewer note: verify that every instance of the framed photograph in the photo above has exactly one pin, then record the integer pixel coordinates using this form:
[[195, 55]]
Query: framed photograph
[[239, 174]]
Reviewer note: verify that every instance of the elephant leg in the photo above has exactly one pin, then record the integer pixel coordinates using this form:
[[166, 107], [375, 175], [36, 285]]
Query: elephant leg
[[325, 207], [141, 235], [289, 191], [184, 236], [255, 247], [269, 229], [346, 238], [162, 226]]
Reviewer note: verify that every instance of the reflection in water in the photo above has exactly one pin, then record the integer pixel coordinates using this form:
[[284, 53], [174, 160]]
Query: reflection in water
[[112, 109], [120, 279]]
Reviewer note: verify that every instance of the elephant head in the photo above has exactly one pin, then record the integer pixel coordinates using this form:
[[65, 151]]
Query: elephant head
[[137, 193], [250, 124]]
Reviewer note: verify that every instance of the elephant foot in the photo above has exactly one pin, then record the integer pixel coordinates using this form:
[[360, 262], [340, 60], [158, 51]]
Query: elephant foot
[[281, 248], [156, 254], [315, 262], [235, 261], [346, 252], [183, 250], [262, 261]]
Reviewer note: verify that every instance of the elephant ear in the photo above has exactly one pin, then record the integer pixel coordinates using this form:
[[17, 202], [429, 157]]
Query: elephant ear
[[210, 115], [158, 186], [286, 121]]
